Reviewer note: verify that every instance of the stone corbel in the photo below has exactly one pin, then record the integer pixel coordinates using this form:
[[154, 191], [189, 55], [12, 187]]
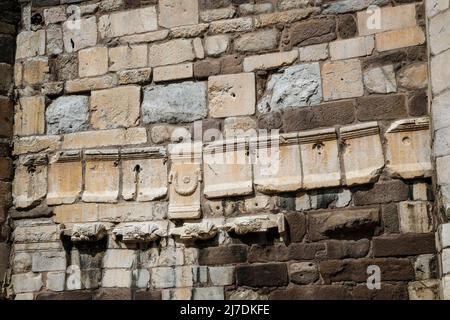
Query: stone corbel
[[140, 231], [89, 231], [196, 231], [255, 224]]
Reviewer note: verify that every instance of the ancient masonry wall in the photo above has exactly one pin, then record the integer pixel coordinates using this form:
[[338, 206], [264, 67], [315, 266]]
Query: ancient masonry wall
[[116, 190]]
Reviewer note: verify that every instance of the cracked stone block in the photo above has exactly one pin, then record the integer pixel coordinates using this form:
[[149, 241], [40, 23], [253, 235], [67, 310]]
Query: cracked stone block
[[128, 22], [342, 79], [174, 13], [415, 217], [29, 118], [362, 141], [380, 79], [30, 44], [68, 114], [79, 34]]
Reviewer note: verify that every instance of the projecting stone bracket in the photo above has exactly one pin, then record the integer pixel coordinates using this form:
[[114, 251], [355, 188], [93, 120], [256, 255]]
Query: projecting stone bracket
[[255, 224], [140, 232], [88, 231], [196, 231]]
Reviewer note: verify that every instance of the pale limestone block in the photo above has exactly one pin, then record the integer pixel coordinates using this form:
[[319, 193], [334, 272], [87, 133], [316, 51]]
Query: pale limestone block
[[189, 31], [29, 118], [440, 109], [174, 13], [198, 48], [445, 260], [117, 107], [24, 296], [88, 84], [142, 277], [420, 191], [144, 174], [177, 294], [314, 52], [257, 8], [105, 138], [30, 44], [128, 22], [35, 70], [79, 34], [120, 278], [49, 261], [342, 79], [255, 224], [415, 217], [140, 231], [443, 169], [216, 45], [218, 14], [221, 276], [163, 277], [208, 293], [55, 44], [424, 266], [239, 127], [30, 181], [54, 15], [37, 234], [171, 52], [64, 178], [408, 153], [440, 74], [270, 60], [433, 7], [173, 72], [185, 181], [277, 163], [352, 48], [402, 38], [424, 290], [320, 159], [387, 18], [445, 287], [89, 231], [144, 37], [26, 282], [135, 76], [101, 176], [227, 169], [231, 95], [284, 17], [292, 4], [195, 231], [127, 57], [93, 62], [231, 25], [303, 202], [362, 141], [443, 236], [257, 203], [380, 79], [119, 258], [414, 76], [439, 31], [36, 144], [18, 74]]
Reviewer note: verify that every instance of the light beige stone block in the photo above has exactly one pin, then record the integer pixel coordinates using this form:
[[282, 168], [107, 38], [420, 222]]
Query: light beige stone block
[[30, 44], [189, 31], [36, 144], [408, 153], [362, 141], [402, 38], [79, 34], [231, 95], [387, 18], [26, 282], [105, 138], [277, 163], [440, 74], [380, 79], [30, 181], [128, 22], [127, 57], [420, 191], [424, 290], [342, 79], [257, 41], [29, 118], [174, 13], [352, 48], [144, 37], [54, 15], [227, 169], [320, 159], [414, 76], [231, 25], [117, 107], [216, 45], [439, 31], [185, 180], [64, 178], [171, 52], [93, 62], [117, 278], [88, 84], [270, 60], [144, 174], [101, 176], [415, 217], [239, 127], [217, 14], [135, 76], [173, 72], [284, 17], [35, 70], [314, 52], [34, 237]]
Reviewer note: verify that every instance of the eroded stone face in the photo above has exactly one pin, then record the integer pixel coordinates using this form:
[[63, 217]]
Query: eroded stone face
[[93, 61], [128, 22], [68, 114], [173, 13], [30, 43], [415, 217], [79, 34], [342, 79], [29, 117], [380, 79]]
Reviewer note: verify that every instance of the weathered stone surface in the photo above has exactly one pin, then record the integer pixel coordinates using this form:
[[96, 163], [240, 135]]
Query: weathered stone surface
[[382, 192], [424, 290], [68, 114], [285, 17], [30, 186], [380, 79], [344, 6], [221, 276], [380, 107], [30, 43], [414, 76], [180, 102], [144, 37], [93, 61], [303, 272], [257, 41], [173, 13], [231, 25], [270, 60], [255, 224], [407, 37], [415, 217], [312, 292], [231, 254], [120, 278], [117, 107], [342, 79], [36, 144], [26, 282], [263, 275], [49, 261], [341, 249], [403, 245], [351, 48], [189, 31], [343, 224], [269, 253], [239, 126], [54, 15], [35, 70], [173, 72], [55, 44], [88, 84], [313, 31], [439, 80], [30, 118], [231, 95], [208, 293], [89, 231], [217, 14], [257, 8], [172, 52], [195, 231], [79, 34], [128, 22], [139, 232], [40, 233], [314, 52], [216, 45], [127, 57], [425, 266], [65, 66], [433, 7], [439, 32], [142, 75], [347, 27]]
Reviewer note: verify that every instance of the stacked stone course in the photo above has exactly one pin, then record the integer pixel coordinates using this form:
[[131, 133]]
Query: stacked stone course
[[115, 197]]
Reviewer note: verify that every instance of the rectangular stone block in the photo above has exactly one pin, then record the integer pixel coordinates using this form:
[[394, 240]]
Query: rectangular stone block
[[36, 144], [26, 282], [342, 79], [29, 118], [127, 57], [65, 178], [56, 281], [119, 258], [320, 159], [117, 278], [408, 151], [30, 44], [116, 107], [227, 169], [208, 293], [270, 60], [221, 276], [144, 37], [37, 234], [135, 76], [101, 176], [35, 70], [128, 22], [402, 38], [415, 217], [174, 13], [93, 62], [171, 52], [314, 52], [284, 17], [231, 95], [49, 261], [163, 277], [440, 76], [144, 174], [30, 181], [352, 48], [88, 84], [362, 141], [174, 72], [276, 163], [443, 236], [439, 32], [79, 34], [231, 25]]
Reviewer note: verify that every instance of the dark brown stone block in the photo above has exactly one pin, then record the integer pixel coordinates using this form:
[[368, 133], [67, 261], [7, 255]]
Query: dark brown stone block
[[270, 121], [236, 253], [341, 249], [313, 292], [6, 117], [305, 251], [206, 68], [258, 253], [404, 245], [262, 275], [418, 104], [390, 218], [232, 64], [66, 295], [386, 292], [347, 26], [383, 192], [313, 31], [8, 45], [296, 224], [147, 295], [113, 294], [381, 107], [213, 4]]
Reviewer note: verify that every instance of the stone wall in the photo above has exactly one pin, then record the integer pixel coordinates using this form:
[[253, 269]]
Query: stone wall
[[138, 174], [9, 14]]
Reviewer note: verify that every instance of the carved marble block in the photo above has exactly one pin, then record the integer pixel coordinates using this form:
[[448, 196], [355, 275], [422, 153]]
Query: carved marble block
[[277, 164], [320, 159], [101, 176], [227, 169], [144, 174], [30, 182], [196, 231], [408, 151], [185, 179], [89, 231], [140, 231], [363, 153], [255, 224], [64, 178]]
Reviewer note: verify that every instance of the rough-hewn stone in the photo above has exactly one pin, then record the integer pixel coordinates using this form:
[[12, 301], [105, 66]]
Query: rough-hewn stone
[[68, 114]]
